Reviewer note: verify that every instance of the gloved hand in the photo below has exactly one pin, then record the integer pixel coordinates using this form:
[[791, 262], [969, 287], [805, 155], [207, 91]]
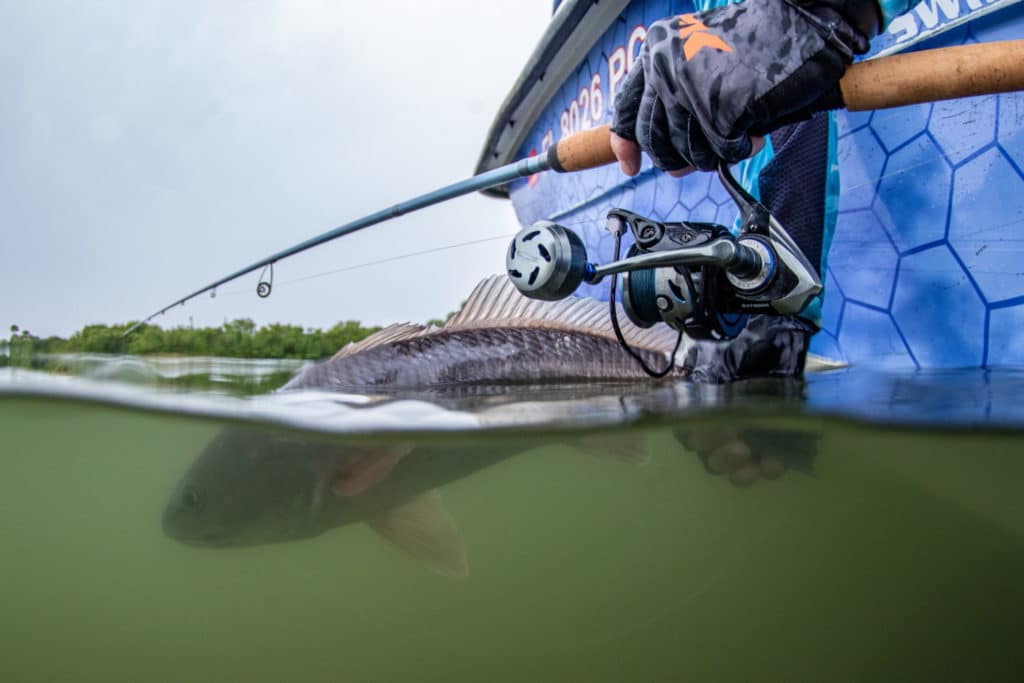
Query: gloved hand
[[769, 346], [748, 454], [705, 83]]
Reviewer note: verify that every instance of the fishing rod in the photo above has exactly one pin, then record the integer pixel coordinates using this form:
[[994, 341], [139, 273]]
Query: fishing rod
[[886, 82]]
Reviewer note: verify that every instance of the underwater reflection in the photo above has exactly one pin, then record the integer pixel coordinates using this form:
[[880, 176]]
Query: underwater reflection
[[255, 486], [603, 403], [749, 454]]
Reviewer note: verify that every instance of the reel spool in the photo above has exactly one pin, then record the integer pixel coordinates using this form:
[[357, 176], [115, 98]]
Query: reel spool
[[654, 295], [690, 300]]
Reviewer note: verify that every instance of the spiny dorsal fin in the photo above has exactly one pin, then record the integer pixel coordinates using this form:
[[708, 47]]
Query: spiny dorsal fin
[[496, 302], [391, 333]]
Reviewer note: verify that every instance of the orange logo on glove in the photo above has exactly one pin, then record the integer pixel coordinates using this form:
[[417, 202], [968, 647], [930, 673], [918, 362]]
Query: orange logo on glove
[[696, 36]]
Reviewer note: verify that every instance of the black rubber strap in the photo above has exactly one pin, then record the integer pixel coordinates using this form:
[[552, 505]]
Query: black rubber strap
[[553, 161]]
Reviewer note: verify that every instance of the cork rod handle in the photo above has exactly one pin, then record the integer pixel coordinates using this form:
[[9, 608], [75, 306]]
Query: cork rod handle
[[589, 148], [895, 81], [933, 75]]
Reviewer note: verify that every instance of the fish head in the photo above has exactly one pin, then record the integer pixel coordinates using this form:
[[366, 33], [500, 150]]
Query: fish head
[[252, 487]]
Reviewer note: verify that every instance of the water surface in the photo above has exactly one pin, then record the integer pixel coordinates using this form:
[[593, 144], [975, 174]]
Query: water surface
[[599, 547]]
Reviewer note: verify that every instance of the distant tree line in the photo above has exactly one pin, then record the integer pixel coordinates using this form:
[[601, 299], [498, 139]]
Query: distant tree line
[[238, 338]]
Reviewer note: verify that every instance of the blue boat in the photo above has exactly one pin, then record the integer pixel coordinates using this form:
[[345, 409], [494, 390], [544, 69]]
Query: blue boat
[[926, 265]]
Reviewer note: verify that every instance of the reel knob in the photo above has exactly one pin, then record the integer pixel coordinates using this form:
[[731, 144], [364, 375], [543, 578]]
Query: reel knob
[[546, 261]]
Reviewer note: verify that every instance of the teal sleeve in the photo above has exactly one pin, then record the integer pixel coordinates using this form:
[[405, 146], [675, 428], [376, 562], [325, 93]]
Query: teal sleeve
[[892, 9]]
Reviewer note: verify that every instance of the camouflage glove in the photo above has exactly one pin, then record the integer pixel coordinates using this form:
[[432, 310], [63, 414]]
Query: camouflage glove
[[704, 83], [747, 454], [770, 346]]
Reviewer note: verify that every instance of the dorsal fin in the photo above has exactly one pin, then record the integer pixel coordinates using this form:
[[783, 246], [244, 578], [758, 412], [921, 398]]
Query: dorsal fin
[[495, 302], [391, 333]]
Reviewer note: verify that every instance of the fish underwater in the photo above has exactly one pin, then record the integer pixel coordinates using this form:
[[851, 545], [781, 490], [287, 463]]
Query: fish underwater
[[253, 487]]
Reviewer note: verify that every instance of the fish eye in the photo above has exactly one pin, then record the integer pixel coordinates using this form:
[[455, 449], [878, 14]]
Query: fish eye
[[191, 499]]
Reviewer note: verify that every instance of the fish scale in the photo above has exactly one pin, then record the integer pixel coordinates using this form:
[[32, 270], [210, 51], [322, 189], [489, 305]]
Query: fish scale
[[497, 337], [479, 356]]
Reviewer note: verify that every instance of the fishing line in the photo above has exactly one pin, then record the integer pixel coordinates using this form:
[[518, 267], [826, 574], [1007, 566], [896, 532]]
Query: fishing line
[[366, 264], [267, 283], [613, 313]]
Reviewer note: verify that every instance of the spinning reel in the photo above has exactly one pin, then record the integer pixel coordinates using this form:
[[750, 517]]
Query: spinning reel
[[698, 278]]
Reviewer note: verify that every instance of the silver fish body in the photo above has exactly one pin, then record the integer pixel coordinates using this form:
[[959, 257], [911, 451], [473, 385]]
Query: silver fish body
[[497, 338], [251, 486], [494, 355]]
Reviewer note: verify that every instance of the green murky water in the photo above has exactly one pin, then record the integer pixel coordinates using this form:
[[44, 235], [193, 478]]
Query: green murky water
[[893, 553]]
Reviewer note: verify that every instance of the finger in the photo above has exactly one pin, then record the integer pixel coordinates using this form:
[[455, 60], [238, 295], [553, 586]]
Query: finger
[[771, 467], [627, 103], [745, 476], [628, 154], [655, 136], [691, 140], [737, 453], [729, 457], [757, 143], [718, 463], [709, 438]]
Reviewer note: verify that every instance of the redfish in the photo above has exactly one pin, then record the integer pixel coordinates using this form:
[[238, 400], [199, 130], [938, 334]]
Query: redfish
[[497, 337]]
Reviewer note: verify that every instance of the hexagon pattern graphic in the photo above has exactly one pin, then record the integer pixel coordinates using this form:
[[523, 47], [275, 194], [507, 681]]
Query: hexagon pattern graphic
[[926, 268]]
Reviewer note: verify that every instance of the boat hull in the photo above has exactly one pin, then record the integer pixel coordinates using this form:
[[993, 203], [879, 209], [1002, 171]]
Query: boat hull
[[926, 268]]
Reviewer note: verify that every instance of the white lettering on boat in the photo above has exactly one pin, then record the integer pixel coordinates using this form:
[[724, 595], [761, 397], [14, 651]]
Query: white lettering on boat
[[930, 14], [590, 106]]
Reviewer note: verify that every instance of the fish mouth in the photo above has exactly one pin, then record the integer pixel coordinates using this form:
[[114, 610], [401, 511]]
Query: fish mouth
[[203, 541], [195, 537]]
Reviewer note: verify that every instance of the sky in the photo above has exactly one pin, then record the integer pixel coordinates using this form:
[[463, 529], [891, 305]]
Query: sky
[[149, 148]]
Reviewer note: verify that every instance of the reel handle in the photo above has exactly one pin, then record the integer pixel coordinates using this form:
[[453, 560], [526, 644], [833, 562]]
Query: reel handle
[[895, 81]]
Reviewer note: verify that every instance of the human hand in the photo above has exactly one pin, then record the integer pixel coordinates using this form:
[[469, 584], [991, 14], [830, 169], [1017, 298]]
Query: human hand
[[746, 455], [707, 85]]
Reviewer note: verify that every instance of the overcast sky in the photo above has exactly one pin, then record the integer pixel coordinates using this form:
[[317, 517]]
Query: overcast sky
[[148, 148]]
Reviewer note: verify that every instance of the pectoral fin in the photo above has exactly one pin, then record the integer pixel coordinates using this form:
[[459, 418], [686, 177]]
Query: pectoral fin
[[362, 471], [424, 529]]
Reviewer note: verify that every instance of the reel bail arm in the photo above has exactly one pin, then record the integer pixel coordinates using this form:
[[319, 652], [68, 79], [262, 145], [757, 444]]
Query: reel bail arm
[[722, 252]]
